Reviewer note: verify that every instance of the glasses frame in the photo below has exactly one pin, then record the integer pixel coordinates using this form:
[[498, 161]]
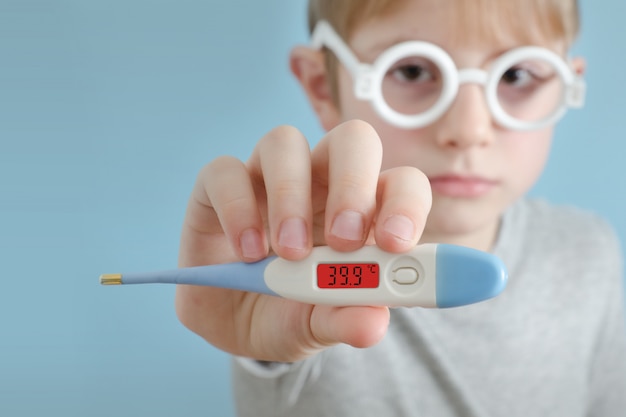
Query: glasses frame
[[368, 79]]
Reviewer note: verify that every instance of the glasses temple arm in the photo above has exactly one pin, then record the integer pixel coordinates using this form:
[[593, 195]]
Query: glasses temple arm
[[325, 35]]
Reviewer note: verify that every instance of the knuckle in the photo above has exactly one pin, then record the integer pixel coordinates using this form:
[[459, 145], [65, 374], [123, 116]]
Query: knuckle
[[284, 135], [225, 182], [288, 188], [413, 174], [352, 179], [357, 126], [219, 166], [234, 205], [361, 131]]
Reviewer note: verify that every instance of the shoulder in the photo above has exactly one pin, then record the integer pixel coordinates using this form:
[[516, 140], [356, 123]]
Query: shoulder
[[559, 240], [560, 226]]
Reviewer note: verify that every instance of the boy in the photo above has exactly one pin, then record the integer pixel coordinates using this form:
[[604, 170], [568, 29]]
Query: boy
[[464, 113]]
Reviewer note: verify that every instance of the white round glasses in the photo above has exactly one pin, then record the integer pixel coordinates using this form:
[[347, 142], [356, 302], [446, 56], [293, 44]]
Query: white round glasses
[[413, 83]]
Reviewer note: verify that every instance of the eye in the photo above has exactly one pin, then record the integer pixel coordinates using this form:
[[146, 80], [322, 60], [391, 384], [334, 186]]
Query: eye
[[527, 75], [518, 76], [411, 73], [413, 70]]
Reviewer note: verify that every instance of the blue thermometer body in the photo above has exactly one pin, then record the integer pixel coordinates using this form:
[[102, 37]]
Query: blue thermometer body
[[430, 275]]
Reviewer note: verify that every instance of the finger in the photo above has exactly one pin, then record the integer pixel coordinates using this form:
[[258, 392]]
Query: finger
[[282, 161], [223, 207], [275, 329], [360, 327], [404, 201], [297, 336], [349, 160], [222, 224]]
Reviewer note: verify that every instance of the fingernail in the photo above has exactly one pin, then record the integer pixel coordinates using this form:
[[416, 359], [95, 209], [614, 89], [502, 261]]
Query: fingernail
[[348, 225], [400, 226], [251, 244], [293, 234]]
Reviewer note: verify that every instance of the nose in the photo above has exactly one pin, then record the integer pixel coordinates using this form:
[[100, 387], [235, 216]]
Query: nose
[[468, 121]]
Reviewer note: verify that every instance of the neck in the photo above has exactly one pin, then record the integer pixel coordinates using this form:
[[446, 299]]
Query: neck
[[483, 238]]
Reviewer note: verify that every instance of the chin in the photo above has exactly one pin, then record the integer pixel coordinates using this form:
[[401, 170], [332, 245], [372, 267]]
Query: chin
[[462, 222]]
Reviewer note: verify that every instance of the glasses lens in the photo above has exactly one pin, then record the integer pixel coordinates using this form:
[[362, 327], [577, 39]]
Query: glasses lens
[[531, 90], [412, 85]]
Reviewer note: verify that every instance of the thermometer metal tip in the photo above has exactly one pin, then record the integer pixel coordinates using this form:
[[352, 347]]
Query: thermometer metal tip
[[111, 279]]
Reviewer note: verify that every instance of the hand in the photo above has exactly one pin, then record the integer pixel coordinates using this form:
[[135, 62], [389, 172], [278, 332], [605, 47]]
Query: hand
[[286, 199]]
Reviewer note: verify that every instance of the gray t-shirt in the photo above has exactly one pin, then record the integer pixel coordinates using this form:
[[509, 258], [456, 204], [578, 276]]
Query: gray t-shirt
[[552, 344]]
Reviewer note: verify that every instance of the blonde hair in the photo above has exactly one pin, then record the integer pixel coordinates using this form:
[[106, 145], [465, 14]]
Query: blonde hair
[[533, 21]]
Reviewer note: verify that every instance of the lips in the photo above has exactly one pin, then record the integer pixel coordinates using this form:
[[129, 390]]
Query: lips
[[460, 186]]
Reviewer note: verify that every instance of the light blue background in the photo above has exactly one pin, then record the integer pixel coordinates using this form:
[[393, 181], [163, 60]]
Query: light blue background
[[108, 109]]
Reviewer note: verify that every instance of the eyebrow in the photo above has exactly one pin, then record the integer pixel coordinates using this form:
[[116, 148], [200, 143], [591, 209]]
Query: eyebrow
[[377, 47], [372, 52]]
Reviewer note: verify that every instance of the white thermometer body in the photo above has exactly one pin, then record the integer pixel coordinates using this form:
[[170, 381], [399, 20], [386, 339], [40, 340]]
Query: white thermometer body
[[430, 275]]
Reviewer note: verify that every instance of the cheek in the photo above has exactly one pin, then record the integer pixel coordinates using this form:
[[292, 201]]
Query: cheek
[[402, 147], [352, 108], [528, 154]]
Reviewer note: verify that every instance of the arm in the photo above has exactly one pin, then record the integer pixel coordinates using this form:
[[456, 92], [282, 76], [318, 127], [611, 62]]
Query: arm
[[608, 373]]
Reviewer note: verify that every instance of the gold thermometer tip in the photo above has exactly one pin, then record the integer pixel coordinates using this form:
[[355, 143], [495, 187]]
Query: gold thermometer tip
[[111, 279]]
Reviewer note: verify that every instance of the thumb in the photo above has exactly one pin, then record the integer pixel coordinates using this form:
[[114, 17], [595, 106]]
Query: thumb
[[360, 327]]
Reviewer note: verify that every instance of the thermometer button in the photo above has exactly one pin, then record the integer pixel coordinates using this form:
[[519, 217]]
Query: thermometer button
[[405, 275]]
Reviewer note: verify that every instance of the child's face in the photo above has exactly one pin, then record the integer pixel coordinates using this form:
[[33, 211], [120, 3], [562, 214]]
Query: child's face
[[476, 168]]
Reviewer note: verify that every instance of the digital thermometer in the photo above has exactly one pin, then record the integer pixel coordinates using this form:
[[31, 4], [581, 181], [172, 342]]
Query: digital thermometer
[[430, 275]]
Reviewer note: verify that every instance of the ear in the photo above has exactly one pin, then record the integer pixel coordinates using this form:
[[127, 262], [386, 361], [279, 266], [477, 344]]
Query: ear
[[579, 65], [308, 65]]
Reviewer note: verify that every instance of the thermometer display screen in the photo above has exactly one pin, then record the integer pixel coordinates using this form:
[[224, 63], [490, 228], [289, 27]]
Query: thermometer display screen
[[362, 275]]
